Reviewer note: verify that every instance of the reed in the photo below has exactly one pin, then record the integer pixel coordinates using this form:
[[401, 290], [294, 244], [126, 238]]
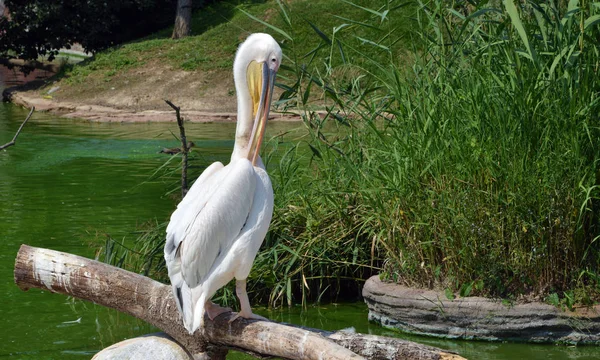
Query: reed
[[470, 163]]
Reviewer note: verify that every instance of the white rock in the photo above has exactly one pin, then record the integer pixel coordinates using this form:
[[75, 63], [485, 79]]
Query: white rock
[[157, 346], [55, 88]]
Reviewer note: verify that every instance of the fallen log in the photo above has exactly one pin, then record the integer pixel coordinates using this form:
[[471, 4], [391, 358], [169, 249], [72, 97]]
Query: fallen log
[[153, 302]]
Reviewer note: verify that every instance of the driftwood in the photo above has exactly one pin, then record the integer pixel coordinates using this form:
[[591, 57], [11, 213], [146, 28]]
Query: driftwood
[[152, 301], [14, 139]]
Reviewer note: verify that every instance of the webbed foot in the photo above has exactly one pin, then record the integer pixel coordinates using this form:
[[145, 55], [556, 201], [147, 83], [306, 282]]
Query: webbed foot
[[213, 310]]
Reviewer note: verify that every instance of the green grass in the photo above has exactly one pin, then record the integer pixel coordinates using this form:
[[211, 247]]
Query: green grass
[[217, 30]]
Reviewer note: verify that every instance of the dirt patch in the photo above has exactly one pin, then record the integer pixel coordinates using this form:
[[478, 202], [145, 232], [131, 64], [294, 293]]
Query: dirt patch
[[137, 95], [146, 88], [102, 113]]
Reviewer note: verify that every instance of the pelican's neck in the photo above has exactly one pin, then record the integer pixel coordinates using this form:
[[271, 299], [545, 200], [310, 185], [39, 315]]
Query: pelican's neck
[[244, 109]]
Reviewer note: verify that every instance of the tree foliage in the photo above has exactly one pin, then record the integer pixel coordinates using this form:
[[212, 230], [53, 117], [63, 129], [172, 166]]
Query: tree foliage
[[41, 27]]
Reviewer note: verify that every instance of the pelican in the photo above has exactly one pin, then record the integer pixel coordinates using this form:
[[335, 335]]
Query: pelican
[[215, 232]]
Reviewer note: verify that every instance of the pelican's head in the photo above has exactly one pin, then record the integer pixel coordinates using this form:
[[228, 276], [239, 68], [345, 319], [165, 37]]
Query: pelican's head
[[254, 69]]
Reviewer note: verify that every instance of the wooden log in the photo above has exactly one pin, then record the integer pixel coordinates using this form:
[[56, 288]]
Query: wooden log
[[153, 302]]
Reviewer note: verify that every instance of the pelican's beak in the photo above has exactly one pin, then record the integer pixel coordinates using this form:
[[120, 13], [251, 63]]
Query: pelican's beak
[[260, 79]]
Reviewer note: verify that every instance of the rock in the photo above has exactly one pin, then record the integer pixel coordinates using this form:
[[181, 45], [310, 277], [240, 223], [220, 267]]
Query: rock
[[157, 346], [429, 312], [53, 89]]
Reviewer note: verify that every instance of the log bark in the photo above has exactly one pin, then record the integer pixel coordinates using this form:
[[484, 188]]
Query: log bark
[[153, 302]]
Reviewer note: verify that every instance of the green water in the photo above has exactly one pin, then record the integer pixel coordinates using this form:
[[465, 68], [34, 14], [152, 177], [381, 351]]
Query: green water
[[66, 183]]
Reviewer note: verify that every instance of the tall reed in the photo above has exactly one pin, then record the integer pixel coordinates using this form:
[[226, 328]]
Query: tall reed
[[470, 163]]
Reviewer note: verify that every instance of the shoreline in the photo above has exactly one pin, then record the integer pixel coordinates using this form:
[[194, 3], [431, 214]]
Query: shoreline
[[99, 113], [430, 313]]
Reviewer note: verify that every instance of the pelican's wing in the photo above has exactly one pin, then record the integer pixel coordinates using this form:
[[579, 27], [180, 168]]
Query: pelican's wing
[[193, 202], [211, 229]]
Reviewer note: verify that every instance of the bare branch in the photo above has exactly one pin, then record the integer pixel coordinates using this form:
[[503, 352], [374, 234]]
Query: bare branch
[[184, 148], [14, 139]]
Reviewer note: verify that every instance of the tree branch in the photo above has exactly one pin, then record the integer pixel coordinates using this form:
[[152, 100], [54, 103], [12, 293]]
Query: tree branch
[[184, 149], [12, 142], [153, 302]]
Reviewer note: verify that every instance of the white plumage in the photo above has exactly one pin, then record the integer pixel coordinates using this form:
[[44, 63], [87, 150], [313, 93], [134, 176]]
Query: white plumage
[[217, 229]]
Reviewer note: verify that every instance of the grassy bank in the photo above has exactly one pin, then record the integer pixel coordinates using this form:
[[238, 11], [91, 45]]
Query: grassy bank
[[204, 60], [466, 159]]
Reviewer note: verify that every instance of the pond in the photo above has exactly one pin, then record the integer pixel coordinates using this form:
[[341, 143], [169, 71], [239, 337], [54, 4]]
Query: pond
[[66, 184]]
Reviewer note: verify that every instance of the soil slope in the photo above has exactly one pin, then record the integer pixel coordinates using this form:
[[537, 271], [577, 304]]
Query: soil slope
[[136, 95]]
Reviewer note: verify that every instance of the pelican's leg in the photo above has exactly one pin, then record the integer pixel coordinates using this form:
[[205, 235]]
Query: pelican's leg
[[213, 310], [245, 310]]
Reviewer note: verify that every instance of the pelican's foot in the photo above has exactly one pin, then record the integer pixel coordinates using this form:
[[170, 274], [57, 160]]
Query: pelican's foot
[[248, 315], [213, 310]]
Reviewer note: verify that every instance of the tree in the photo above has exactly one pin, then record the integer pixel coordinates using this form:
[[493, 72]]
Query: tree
[[182, 19], [42, 27]]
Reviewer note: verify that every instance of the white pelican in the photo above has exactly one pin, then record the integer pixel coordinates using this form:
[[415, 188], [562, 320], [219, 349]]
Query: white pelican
[[217, 229]]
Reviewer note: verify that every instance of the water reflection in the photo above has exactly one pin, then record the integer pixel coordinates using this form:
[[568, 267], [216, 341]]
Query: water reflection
[[13, 77]]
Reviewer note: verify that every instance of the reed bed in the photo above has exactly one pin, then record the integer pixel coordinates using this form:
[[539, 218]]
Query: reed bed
[[469, 163]]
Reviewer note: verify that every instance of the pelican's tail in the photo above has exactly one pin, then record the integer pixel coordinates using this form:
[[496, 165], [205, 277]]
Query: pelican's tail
[[183, 299], [181, 291], [199, 308]]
